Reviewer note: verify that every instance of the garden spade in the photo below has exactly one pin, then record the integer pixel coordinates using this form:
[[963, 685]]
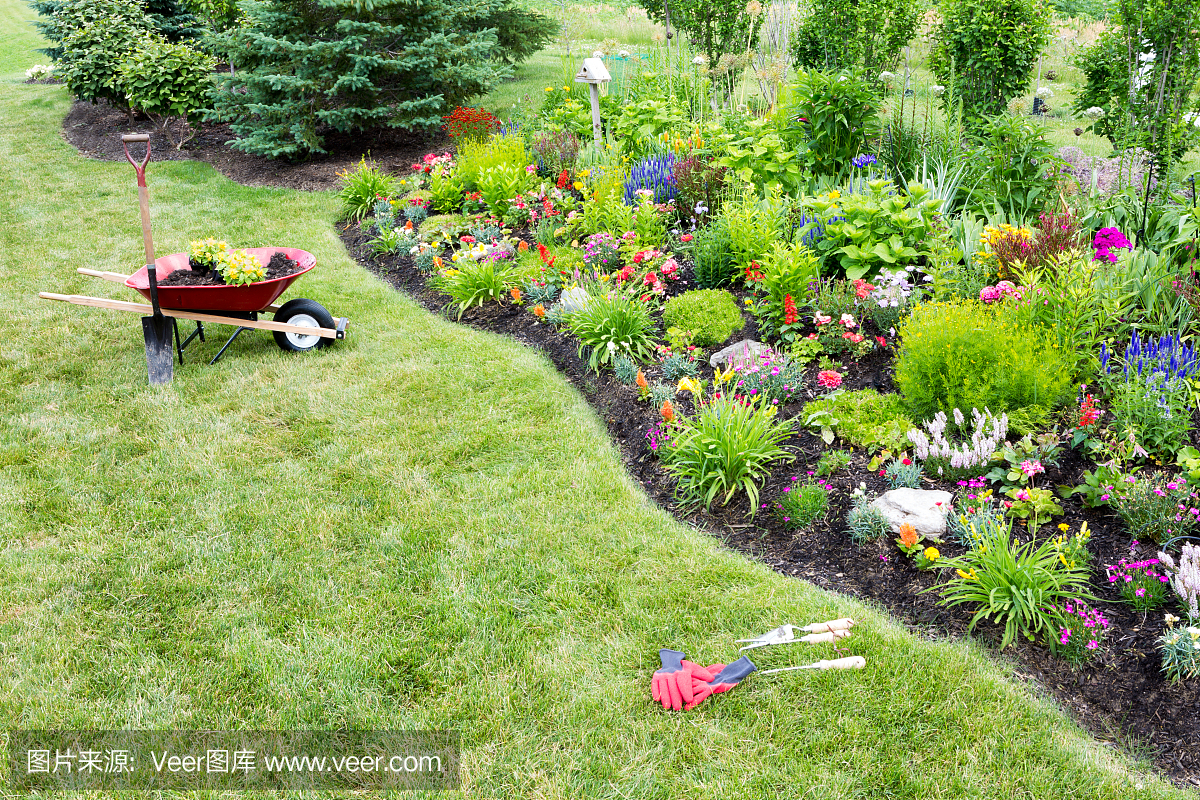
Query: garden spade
[[159, 334]]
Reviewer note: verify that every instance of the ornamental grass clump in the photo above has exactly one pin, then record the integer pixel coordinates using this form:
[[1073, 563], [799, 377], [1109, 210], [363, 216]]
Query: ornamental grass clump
[[473, 283], [1179, 649], [865, 523], [726, 448], [959, 459], [1013, 584], [971, 355], [801, 504], [611, 325]]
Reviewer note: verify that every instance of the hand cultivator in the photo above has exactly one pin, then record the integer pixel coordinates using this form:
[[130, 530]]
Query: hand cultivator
[[298, 325]]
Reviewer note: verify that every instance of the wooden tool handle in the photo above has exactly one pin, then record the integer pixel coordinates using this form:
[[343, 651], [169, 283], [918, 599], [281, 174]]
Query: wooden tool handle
[[843, 624], [849, 662], [828, 637], [135, 137]]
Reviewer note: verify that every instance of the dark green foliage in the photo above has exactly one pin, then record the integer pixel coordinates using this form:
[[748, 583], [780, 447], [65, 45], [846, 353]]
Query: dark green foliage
[[305, 68], [1104, 66], [97, 36], [988, 49], [520, 32], [712, 250], [855, 34], [834, 114], [1020, 175], [164, 17], [715, 28], [711, 315]]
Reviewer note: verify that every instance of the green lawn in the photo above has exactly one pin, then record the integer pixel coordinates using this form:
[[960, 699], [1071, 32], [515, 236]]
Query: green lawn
[[423, 526]]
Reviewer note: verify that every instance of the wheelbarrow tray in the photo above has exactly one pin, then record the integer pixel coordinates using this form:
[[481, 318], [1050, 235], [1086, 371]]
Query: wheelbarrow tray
[[250, 297]]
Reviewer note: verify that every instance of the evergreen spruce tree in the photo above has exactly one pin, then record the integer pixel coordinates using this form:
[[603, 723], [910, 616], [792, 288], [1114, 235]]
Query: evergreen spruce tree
[[303, 68]]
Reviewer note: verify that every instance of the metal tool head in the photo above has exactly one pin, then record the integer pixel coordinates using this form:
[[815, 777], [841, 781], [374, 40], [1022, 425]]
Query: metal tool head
[[781, 635]]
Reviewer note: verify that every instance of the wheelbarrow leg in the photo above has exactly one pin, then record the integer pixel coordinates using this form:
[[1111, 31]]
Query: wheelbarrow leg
[[181, 344], [226, 347]]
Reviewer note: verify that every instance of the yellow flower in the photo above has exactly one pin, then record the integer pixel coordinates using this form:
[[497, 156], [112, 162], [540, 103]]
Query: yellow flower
[[1064, 527], [834, 194], [585, 173], [932, 553], [566, 88], [578, 186], [688, 385], [549, 88], [748, 301], [966, 576]]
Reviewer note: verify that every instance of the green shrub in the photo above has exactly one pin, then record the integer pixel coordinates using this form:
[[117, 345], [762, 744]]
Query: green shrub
[[100, 37], [473, 283], [837, 114], [712, 256], [968, 355], [753, 223], [787, 279], [1019, 177], [864, 418], [475, 158], [849, 34], [167, 81], [728, 447], [801, 504], [987, 50], [1014, 584], [613, 325], [361, 187], [712, 315]]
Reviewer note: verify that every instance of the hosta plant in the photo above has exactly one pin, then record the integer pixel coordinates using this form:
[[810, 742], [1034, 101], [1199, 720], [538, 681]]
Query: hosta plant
[[729, 446], [1014, 584], [612, 325]]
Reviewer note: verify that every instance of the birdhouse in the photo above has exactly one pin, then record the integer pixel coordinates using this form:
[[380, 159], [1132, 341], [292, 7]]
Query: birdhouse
[[593, 72]]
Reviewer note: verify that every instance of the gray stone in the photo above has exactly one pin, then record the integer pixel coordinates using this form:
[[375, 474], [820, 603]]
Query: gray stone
[[924, 509], [574, 299], [738, 353]]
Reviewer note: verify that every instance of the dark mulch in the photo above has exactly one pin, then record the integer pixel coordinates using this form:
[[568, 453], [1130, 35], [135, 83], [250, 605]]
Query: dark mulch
[[95, 130], [1121, 697]]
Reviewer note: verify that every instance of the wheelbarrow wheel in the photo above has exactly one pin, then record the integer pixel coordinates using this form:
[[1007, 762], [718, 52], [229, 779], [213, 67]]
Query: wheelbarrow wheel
[[306, 313]]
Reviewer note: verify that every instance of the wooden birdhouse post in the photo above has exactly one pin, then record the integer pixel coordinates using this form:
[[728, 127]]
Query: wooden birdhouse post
[[593, 74]]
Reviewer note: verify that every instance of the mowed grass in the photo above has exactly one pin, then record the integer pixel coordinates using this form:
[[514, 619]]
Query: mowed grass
[[421, 527]]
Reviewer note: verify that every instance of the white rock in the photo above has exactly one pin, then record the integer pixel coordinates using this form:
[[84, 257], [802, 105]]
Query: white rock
[[574, 299], [738, 353], [924, 509]]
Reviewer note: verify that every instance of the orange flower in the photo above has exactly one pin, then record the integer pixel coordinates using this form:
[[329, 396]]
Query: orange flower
[[523, 247], [408, 225], [641, 380], [516, 294], [908, 535], [667, 411], [538, 311], [437, 262]]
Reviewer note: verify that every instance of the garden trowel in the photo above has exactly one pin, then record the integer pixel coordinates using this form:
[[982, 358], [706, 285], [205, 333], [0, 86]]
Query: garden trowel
[[158, 331]]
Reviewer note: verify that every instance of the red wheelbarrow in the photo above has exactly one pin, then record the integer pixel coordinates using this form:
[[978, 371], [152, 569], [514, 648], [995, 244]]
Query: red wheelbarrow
[[299, 324]]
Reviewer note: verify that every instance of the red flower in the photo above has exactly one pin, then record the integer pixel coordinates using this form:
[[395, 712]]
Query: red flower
[[882, 341], [687, 237], [563, 177], [906, 461], [789, 310]]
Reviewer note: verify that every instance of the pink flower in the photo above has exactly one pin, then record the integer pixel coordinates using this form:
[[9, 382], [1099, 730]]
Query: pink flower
[[687, 237], [820, 319], [1093, 644], [848, 321], [1031, 467], [828, 378]]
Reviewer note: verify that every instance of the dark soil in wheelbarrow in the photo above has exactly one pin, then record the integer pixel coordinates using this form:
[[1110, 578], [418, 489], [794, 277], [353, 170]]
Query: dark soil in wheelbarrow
[[280, 266], [95, 130], [1121, 696]]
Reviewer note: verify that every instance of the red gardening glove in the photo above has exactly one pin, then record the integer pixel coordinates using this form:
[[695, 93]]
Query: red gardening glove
[[674, 684], [723, 679]]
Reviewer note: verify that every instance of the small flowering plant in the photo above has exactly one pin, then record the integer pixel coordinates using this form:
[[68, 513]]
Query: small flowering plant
[[801, 504], [909, 541], [771, 379], [927, 558], [1155, 508], [1180, 650], [1107, 240], [1081, 631], [1143, 584]]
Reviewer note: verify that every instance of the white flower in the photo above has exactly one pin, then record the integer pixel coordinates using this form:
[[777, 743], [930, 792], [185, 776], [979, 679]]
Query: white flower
[[937, 90], [1170, 619], [624, 54], [597, 54], [1095, 112], [1045, 93], [699, 61], [886, 77]]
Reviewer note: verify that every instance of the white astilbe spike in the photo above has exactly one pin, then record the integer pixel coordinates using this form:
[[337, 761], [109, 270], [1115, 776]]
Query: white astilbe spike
[[958, 418]]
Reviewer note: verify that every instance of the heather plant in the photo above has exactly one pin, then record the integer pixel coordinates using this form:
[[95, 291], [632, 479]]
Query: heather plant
[[1014, 584], [1081, 632], [771, 379], [1180, 651], [1142, 584], [969, 355], [1184, 573], [961, 459], [711, 315], [728, 447], [801, 504]]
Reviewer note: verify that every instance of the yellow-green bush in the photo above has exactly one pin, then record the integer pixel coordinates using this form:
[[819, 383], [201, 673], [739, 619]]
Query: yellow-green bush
[[968, 355]]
